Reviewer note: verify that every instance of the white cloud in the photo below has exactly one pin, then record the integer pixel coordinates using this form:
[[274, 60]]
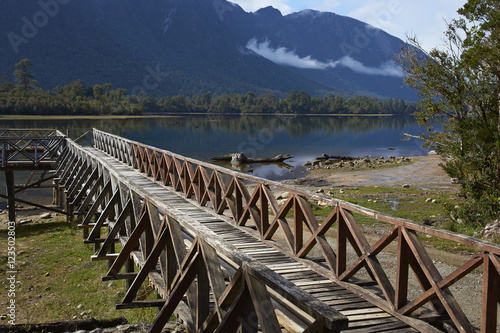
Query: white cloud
[[283, 56], [423, 18]]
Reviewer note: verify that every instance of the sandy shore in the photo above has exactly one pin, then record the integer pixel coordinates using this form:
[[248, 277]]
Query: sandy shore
[[425, 172]]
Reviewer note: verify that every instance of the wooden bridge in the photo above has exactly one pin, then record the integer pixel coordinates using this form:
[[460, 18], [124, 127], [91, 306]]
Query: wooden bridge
[[226, 255]]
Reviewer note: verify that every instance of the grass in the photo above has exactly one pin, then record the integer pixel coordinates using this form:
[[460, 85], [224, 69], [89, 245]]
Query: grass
[[56, 281], [407, 203]]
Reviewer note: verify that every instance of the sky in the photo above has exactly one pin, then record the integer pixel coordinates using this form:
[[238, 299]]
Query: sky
[[424, 19]]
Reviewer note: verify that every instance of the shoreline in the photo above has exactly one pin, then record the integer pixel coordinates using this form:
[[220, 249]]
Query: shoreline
[[424, 172]]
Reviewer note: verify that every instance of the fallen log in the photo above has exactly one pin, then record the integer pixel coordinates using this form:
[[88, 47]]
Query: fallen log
[[239, 158]]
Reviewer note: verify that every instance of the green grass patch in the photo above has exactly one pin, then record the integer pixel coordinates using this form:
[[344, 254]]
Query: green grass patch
[[414, 204], [56, 281]]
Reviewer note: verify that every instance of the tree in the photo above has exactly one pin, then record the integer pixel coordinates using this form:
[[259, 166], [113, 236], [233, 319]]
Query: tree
[[22, 75], [462, 83]]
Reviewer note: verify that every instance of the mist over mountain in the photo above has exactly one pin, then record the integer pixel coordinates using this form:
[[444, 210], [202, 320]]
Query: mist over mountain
[[169, 47]]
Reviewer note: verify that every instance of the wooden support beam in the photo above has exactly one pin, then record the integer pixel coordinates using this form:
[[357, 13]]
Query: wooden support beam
[[29, 203], [11, 194]]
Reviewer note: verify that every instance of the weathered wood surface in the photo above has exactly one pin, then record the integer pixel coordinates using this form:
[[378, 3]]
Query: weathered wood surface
[[255, 218], [30, 149]]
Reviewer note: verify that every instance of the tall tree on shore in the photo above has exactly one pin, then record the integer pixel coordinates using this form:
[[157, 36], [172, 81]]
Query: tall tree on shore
[[24, 78], [462, 83]]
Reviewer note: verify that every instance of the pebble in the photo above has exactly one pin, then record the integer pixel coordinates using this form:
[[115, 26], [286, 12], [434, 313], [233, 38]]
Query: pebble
[[406, 185]]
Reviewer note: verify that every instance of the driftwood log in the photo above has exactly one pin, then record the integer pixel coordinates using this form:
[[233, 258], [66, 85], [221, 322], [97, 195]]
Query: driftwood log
[[337, 157], [239, 158]]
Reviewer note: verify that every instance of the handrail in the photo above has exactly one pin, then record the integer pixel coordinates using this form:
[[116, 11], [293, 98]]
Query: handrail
[[160, 226], [30, 147], [383, 217], [249, 199]]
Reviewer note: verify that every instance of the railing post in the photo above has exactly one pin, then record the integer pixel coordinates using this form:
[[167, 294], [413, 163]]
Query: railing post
[[491, 293]]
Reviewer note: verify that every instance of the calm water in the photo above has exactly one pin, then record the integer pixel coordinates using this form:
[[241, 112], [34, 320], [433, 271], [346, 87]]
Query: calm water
[[305, 138]]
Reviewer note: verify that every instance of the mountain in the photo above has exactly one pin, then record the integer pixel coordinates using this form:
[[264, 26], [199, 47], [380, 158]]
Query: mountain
[[194, 46]]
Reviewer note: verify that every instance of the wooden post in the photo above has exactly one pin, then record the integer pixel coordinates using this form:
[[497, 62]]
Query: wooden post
[[9, 181], [112, 249], [129, 268]]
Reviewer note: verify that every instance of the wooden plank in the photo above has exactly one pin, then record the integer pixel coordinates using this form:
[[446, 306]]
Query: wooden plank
[[368, 316]]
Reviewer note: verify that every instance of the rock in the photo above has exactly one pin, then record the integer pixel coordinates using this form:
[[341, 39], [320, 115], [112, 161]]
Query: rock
[[341, 191], [80, 306], [406, 185], [330, 193], [432, 152], [427, 221], [456, 181], [320, 191], [46, 216], [428, 200], [47, 273], [434, 201]]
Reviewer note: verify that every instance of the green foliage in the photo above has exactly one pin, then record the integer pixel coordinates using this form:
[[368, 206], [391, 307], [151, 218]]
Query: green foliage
[[463, 83], [24, 78], [78, 99]]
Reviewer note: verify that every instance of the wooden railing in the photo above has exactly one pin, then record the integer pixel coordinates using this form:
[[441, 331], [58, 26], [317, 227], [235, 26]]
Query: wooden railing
[[192, 260], [251, 201], [30, 148]]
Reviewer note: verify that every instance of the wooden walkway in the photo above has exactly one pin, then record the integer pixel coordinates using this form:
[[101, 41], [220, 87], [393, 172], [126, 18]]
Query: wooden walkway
[[362, 315], [225, 255]]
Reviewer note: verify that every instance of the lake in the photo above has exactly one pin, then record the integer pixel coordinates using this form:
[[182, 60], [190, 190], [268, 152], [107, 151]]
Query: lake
[[304, 137]]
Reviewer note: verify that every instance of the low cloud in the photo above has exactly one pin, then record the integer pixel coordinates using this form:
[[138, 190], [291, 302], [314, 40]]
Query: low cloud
[[283, 56]]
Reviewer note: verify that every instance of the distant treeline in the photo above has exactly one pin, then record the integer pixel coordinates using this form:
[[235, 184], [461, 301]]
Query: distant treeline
[[24, 97]]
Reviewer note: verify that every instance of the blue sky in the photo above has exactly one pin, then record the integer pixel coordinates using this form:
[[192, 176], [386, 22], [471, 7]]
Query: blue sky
[[423, 18]]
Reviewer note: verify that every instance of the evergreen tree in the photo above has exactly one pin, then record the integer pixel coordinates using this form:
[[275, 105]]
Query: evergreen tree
[[24, 78]]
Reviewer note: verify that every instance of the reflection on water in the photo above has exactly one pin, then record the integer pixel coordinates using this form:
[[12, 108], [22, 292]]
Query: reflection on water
[[306, 138]]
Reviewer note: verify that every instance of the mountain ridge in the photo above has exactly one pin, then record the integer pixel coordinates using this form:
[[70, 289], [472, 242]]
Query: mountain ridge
[[194, 46]]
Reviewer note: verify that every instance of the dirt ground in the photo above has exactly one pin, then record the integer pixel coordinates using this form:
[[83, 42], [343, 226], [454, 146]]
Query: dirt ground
[[425, 172]]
